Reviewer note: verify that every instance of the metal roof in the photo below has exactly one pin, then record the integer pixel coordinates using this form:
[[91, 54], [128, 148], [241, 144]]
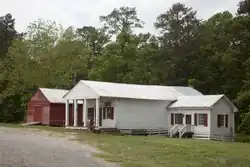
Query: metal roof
[[54, 95], [196, 101], [132, 91]]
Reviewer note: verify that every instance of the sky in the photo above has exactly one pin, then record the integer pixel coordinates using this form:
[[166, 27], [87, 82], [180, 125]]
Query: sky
[[79, 13]]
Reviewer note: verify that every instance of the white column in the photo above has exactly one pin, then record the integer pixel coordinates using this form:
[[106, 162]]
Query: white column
[[75, 113], [67, 113], [184, 119], [97, 112], [85, 112]]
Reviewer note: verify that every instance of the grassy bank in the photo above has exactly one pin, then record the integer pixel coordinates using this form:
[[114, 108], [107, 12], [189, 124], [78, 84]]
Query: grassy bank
[[131, 151]]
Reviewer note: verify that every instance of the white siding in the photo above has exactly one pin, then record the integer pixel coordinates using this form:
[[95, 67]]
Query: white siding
[[222, 107], [141, 114], [199, 130]]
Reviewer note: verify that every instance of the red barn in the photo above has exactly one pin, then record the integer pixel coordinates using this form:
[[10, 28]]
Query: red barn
[[47, 107]]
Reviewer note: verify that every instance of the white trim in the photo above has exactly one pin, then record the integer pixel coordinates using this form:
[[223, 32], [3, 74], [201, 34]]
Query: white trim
[[75, 113], [67, 113], [85, 112]]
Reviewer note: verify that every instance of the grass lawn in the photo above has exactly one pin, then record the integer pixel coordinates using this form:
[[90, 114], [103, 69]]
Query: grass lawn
[[131, 151]]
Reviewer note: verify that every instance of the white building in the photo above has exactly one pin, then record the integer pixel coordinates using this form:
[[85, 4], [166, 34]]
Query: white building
[[177, 109]]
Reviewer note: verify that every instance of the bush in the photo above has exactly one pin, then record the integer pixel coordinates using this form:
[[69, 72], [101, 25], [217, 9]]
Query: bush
[[242, 138]]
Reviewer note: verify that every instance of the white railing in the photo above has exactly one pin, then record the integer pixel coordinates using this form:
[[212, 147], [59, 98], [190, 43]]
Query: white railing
[[185, 129], [174, 130]]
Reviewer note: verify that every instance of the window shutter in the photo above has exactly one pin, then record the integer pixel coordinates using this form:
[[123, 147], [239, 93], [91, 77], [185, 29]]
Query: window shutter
[[218, 121], [172, 119], [226, 121], [112, 112], [104, 113], [205, 120], [195, 119]]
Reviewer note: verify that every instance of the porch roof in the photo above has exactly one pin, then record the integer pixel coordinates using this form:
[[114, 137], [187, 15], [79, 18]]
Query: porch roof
[[132, 91], [204, 101]]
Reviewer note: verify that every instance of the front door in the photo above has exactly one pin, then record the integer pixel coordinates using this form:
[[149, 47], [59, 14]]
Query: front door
[[188, 119]]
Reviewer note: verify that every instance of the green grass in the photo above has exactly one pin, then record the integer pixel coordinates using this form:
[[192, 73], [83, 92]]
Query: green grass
[[131, 151]]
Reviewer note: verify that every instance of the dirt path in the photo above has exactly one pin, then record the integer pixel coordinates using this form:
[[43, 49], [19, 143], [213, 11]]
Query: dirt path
[[28, 149]]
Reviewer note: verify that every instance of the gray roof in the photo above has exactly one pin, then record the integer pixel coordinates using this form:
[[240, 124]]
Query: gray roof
[[54, 95], [132, 91]]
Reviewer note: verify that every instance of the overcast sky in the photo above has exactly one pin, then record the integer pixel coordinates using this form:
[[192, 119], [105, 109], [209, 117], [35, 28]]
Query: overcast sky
[[79, 13]]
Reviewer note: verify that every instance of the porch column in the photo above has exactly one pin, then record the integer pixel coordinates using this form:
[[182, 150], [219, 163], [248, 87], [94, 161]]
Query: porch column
[[75, 113], [85, 113], [67, 113], [184, 119], [97, 112]]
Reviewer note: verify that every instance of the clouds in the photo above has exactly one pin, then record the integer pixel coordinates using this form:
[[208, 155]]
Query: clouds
[[86, 12]]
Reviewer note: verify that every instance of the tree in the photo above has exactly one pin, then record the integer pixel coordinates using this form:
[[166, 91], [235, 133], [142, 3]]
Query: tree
[[244, 7], [7, 33], [94, 38], [120, 20], [178, 42], [178, 24]]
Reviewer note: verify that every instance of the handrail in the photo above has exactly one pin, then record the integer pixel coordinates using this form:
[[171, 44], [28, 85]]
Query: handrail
[[182, 131], [186, 128], [173, 130]]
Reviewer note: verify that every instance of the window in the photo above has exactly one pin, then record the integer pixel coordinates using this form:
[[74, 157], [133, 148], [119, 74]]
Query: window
[[222, 120], [201, 119], [108, 113], [178, 118]]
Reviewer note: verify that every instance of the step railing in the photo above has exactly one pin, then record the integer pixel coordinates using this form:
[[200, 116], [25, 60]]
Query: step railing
[[174, 130], [185, 129]]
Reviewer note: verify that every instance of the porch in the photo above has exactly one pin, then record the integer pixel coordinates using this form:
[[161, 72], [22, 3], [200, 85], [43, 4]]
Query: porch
[[98, 111], [188, 124]]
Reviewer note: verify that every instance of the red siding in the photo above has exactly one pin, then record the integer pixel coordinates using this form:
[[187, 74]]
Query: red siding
[[57, 114], [40, 110], [36, 107]]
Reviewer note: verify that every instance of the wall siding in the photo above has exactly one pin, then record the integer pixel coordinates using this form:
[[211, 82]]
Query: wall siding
[[222, 107], [141, 114], [37, 99]]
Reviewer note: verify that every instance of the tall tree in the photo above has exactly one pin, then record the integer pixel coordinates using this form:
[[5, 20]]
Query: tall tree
[[7, 33], [178, 40], [244, 7], [94, 38], [124, 19]]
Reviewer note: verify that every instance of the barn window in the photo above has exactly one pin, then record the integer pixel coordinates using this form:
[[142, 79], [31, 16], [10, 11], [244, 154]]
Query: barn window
[[178, 118], [222, 120]]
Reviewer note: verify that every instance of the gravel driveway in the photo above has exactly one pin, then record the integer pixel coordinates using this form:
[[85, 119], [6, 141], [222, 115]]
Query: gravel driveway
[[26, 149]]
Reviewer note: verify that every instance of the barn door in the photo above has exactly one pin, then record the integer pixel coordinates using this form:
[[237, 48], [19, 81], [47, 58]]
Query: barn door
[[45, 115], [37, 115]]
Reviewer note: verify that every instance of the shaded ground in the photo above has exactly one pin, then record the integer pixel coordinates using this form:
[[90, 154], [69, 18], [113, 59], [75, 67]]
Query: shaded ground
[[29, 149]]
